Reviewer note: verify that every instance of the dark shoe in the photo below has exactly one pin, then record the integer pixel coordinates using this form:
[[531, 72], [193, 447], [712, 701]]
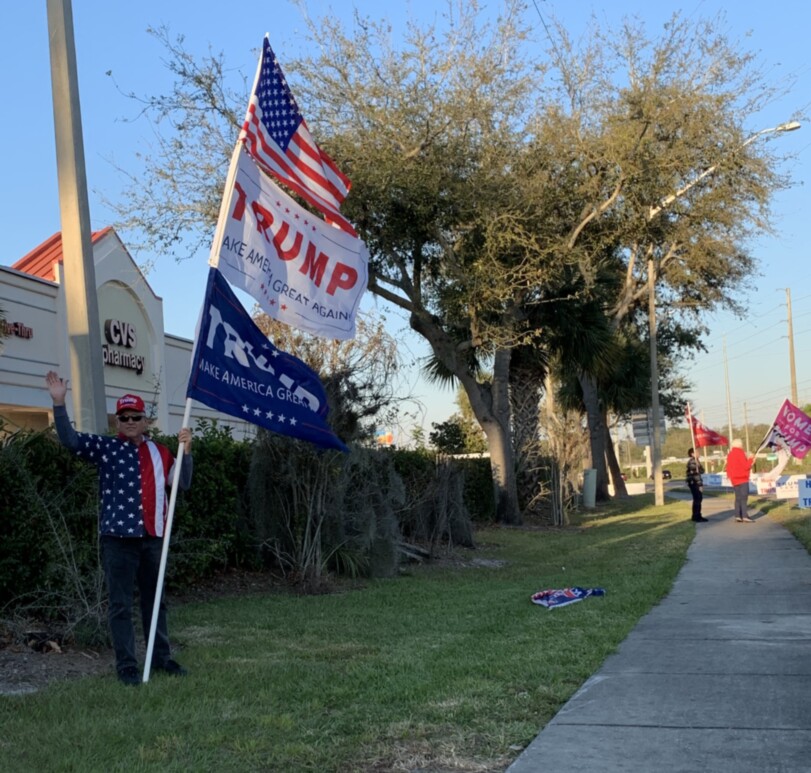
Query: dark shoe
[[129, 675], [700, 519], [171, 667]]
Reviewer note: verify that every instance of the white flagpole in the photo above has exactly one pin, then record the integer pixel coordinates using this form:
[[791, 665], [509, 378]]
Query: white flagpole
[[167, 533], [692, 428], [214, 255]]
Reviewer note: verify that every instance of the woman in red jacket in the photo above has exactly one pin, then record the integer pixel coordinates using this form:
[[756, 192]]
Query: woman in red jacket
[[739, 466]]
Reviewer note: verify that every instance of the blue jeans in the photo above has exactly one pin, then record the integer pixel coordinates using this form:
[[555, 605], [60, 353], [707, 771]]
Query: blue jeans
[[128, 562], [741, 499]]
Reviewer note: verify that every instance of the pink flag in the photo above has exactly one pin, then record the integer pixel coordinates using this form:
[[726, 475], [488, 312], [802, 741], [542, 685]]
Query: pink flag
[[790, 432]]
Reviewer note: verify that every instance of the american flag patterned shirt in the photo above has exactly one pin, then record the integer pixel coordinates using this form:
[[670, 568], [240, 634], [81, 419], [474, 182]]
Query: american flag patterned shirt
[[134, 480]]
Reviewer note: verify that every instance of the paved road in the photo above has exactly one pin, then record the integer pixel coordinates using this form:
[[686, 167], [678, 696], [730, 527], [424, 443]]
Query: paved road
[[715, 678]]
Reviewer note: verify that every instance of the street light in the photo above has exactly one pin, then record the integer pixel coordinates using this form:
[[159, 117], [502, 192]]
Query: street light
[[789, 126], [656, 445]]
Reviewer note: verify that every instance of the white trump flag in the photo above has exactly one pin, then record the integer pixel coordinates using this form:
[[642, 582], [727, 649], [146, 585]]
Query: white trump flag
[[301, 271]]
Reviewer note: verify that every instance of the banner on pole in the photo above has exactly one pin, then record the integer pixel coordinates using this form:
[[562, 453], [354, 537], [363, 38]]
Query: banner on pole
[[300, 270], [704, 436], [238, 371], [790, 432]]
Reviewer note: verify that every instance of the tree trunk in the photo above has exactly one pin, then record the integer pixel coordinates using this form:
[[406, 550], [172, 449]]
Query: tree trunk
[[614, 465], [525, 404], [490, 403], [496, 425], [597, 434]]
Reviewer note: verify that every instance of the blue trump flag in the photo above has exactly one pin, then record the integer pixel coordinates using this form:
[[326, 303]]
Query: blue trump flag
[[236, 370]]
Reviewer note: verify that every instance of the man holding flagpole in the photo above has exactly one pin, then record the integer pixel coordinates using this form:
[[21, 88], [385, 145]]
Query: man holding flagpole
[[134, 475], [695, 482]]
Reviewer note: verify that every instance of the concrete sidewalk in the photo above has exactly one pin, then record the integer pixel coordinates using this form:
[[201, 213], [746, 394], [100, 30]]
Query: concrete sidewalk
[[716, 678]]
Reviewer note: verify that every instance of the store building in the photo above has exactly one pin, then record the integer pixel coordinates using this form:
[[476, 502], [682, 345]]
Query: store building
[[139, 357]]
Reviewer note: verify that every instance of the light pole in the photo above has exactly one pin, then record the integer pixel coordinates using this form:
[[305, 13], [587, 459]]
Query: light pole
[[656, 447], [81, 300], [729, 401], [792, 367]]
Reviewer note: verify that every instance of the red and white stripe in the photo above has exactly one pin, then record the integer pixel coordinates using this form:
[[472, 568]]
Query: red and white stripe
[[304, 167], [155, 462]]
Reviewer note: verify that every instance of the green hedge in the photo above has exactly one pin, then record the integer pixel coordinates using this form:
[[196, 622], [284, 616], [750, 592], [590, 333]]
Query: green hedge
[[49, 505]]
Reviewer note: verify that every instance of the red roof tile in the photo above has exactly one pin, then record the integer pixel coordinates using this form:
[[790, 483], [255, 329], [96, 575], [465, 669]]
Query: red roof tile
[[40, 261]]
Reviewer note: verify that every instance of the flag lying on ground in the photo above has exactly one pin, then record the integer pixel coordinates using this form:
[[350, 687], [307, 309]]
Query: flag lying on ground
[[790, 432], [276, 135], [561, 597], [704, 436], [236, 370], [301, 271]]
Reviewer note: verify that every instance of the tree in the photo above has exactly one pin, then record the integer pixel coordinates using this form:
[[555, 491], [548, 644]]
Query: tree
[[643, 120], [358, 374], [477, 184], [460, 433], [425, 133], [448, 437]]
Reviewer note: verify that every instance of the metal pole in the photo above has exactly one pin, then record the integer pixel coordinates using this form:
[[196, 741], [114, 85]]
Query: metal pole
[[746, 427], [656, 446], [726, 379], [167, 536], [81, 300], [791, 364]]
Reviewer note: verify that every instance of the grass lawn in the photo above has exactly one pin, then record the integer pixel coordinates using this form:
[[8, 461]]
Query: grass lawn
[[448, 667], [787, 513]]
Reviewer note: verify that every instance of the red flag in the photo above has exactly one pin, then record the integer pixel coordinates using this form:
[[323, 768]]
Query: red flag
[[275, 134], [704, 436]]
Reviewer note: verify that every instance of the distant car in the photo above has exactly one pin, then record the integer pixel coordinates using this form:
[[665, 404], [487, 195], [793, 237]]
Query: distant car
[[666, 475]]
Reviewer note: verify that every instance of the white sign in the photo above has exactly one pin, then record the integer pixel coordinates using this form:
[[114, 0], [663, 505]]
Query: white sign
[[713, 480], [787, 486], [804, 493]]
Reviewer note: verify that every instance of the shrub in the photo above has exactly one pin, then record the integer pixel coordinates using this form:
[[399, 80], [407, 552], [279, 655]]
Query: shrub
[[210, 525]]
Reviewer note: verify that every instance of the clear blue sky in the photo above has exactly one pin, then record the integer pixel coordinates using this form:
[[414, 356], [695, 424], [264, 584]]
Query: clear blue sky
[[112, 36]]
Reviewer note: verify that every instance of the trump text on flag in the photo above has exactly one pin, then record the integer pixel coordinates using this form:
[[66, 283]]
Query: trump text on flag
[[302, 271], [791, 430], [238, 371]]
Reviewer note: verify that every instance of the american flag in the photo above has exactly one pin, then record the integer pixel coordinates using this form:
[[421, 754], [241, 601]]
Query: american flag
[[133, 481], [561, 597], [275, 134]]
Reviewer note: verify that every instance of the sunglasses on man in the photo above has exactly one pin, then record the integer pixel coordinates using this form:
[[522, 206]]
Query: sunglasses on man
[[130, 417]]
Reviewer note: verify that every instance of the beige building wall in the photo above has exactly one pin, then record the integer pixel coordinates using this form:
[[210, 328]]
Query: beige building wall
[[139, 357]]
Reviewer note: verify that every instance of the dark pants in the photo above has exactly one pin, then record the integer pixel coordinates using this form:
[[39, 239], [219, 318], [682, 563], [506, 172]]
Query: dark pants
[[128, 562], [698, 496], [741, 499]]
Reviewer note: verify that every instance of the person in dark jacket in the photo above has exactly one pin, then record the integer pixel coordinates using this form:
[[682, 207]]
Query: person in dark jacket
[[135, 475], [696, 484], [739, 468]]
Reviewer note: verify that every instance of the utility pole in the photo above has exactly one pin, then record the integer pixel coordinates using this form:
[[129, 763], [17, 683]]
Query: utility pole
[[791, 365], [706, 461], [726, 378], [655, 440], [746, 427], [81, 300]]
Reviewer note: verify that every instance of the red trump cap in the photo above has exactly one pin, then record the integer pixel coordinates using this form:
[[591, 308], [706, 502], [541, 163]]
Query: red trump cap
[[129, 403]]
